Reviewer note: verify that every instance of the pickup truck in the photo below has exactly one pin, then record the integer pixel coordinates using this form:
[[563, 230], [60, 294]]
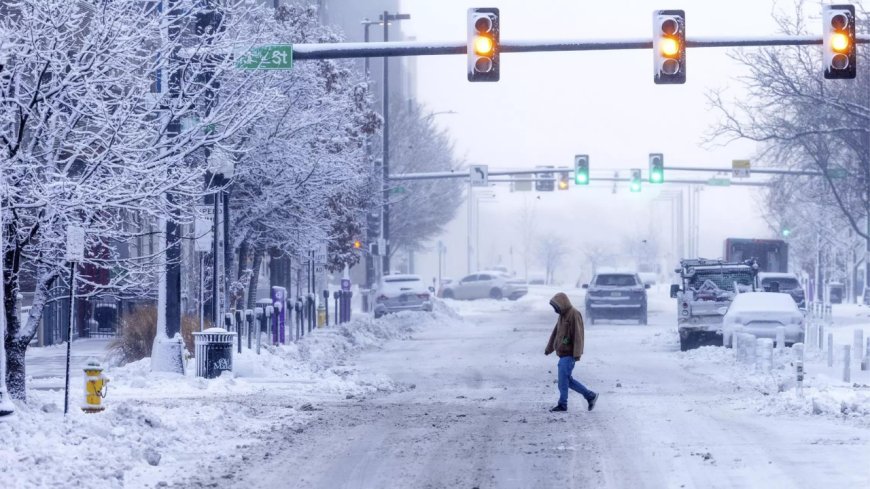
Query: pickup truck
[[706, 290]]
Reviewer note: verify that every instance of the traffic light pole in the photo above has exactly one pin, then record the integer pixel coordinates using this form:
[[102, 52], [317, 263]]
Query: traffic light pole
[[419, 48]]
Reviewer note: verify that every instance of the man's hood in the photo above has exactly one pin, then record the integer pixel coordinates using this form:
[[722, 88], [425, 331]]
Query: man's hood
[[562, 301]]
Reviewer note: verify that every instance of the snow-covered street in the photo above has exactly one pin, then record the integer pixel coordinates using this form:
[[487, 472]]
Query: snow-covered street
[[474, 414]]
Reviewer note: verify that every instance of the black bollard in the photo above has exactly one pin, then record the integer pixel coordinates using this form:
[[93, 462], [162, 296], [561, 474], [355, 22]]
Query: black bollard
[[240, 323]]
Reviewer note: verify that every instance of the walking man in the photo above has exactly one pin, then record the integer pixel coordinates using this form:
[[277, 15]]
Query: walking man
[[567, 341]]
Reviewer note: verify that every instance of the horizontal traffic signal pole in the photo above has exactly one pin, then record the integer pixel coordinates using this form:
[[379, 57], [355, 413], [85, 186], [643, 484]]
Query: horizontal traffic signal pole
[[423, 48], [761, 171], [464, 174]]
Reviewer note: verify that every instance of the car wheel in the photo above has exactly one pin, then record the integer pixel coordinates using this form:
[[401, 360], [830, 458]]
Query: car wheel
[[495, 294], [447, 294]]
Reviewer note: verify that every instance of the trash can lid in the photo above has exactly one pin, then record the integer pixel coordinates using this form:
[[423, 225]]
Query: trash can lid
[[214, 330]]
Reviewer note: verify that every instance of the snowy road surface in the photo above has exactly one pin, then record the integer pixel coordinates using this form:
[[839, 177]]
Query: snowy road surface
[[477, 417]]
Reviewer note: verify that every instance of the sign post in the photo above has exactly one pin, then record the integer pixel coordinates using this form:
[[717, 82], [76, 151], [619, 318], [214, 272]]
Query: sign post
[[75, 252], [203, 242]]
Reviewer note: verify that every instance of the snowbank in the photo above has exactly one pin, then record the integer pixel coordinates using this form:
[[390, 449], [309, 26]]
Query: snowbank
[[157, 424], [823, 393]]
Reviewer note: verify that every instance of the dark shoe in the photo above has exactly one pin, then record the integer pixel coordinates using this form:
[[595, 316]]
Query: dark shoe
[[558, 409], [592, 401]]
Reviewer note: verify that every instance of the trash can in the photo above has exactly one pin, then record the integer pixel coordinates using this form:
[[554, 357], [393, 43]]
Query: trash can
[[214, 352]]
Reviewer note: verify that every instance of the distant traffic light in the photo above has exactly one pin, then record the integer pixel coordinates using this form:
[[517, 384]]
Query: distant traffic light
[[786, 232], [838, 43], [581, 169], [483, 45], [656, 168], [357, 245], [563, 180], [669, 46], [634, 186]]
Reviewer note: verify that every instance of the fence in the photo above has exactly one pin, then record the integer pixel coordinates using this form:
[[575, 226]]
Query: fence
[[96, 317]]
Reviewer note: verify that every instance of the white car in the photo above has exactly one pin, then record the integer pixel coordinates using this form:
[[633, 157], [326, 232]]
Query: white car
[[402, 293], [482, 285], [759, 314]]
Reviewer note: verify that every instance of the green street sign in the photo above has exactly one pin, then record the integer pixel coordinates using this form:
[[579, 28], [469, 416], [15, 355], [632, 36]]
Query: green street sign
[[836, 172], [272, 57], [719, 182]]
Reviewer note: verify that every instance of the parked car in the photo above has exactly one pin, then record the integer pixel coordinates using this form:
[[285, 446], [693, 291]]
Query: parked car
[[616, 296], [445, 282], [401, 293], [760, 313], [482, 285], [787, 283]]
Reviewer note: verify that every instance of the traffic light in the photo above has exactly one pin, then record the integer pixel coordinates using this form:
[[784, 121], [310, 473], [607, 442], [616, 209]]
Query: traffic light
[[786, 231], [656, 168], [581, 169], [357, 245], [669, 46], [634, 186], [563, 180], [483, 45], [839, 41]]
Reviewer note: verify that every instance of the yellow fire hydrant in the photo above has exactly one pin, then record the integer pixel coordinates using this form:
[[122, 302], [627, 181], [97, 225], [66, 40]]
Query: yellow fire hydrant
[[321, 316], [96, 387]]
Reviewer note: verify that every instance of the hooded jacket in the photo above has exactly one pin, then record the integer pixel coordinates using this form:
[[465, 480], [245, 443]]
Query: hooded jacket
[[567, 336]]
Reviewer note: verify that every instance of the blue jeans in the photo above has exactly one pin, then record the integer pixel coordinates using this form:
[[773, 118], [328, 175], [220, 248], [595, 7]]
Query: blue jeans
[[566, 366]]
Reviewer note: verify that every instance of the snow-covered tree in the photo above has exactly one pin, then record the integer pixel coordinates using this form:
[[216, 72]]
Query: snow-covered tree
[[804, 122], [301, 176], [85, 140], [419, 209]]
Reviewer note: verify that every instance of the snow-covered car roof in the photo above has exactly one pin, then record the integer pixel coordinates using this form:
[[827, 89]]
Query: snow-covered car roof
[[763, 301], [403, 277]]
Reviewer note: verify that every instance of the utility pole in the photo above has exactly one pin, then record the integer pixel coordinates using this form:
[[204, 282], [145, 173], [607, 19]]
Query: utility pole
[[173, 239], [386, 17]]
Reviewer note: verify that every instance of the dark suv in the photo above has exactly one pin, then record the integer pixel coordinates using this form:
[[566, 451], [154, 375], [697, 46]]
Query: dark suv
[[616, 296]]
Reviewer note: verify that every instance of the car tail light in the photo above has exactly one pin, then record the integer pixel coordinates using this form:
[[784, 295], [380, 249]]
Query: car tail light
[[382, 298], [425, 297]]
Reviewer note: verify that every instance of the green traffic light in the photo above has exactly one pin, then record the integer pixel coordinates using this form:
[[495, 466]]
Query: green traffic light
[[635, 186], [786, 232], [581, 178], [656, 177]]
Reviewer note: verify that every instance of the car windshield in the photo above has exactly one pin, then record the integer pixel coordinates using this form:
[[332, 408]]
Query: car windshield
[[785, 283], [616, 280]]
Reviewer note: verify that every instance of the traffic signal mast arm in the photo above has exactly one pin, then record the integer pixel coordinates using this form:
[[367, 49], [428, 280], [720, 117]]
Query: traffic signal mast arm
[[423, 48]]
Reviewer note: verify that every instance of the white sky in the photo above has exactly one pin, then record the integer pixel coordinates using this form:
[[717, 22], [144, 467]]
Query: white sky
[[549, 106]]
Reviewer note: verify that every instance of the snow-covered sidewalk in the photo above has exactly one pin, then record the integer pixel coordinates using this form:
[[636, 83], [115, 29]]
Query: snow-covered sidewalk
[[158, 426], [824, 392]]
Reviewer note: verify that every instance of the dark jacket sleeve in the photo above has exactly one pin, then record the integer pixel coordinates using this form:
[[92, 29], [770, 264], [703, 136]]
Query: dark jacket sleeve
[[550, 347]]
